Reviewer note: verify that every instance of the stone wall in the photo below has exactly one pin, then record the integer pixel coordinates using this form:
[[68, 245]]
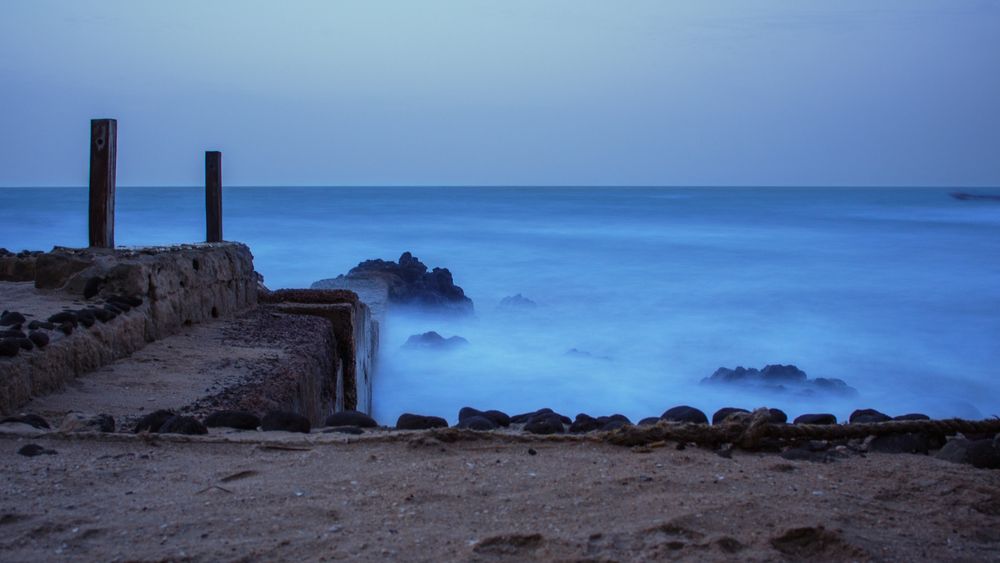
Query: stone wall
[[177, 285]]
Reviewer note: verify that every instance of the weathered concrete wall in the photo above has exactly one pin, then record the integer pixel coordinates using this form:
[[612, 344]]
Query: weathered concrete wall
[[356, 334], [178, 286]]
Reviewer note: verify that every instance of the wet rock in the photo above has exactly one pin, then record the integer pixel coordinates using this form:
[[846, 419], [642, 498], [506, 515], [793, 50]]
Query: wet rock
[[63, 317], [984, 454], [286, 421], [32, 420], [476, 423], [909, 443], [816, 419], [525, 417], [351, 418], [182, 425], [434, 341], [684, 413], [152, 421], [584, 423], [36, 325], [85, 422], [721, 414], [867, 416], [32, 450], [912, 416], [12, 333], [410, 283], [12, 318], [408, 421], [93, 287], [241, 420], [649, 421], [9, 347], [545, 423], [39, 338], [780, 379], [516, 302], [497, 417]]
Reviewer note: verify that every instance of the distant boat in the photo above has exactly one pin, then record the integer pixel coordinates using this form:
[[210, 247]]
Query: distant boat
[[965, 196]]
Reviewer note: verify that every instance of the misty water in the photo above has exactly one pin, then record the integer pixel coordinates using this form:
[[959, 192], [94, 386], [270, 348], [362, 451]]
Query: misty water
[[895, 291]]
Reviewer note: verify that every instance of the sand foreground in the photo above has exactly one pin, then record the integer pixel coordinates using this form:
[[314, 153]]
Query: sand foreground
[[410, 496]]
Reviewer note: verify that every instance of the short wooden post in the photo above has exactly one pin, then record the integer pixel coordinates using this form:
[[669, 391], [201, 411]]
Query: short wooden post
[[103, 154], [213, 196]]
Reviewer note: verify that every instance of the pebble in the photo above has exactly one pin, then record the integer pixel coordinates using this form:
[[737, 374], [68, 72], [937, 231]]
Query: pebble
[[32, 450]]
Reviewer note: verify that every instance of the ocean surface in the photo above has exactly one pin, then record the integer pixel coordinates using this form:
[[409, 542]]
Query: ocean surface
[[895, 291]]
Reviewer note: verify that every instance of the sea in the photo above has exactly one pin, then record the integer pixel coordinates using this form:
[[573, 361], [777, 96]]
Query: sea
[[896, 291]]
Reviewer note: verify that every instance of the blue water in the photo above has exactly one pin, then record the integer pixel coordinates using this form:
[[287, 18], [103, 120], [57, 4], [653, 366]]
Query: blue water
[[896, 291]]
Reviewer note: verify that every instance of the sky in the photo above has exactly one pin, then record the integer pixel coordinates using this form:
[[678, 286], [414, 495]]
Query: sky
[[505, 92]]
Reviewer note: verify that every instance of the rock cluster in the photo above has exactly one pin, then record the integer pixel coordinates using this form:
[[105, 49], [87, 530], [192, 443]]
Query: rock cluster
[[17, 333], [782, 379], [434, 341]]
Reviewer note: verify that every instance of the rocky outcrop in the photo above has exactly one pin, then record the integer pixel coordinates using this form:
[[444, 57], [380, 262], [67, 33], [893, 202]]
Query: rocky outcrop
[[780, 379], [409, 283], [434, 341]]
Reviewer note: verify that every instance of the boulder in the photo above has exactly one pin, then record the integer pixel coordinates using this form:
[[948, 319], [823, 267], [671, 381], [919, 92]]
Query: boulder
[[285, 421], [434, 341], [526, 417], [684, 413], [9, 347], [408, 421], [152, 421], [32, 420], [85, 422], [984, 453], [867, 416], [240, 420], [649, 421], [721, 414], [12, 318], [182, 425], [909, 443], [476, 423], [32, 450], [351, 418], [497, 417], [778, 416], [39, 338], [816, 419], [545, 423], [584, 423]]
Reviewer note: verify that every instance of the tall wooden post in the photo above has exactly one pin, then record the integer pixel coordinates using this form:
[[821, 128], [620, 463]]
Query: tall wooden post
[[103, 155], [213, 196]]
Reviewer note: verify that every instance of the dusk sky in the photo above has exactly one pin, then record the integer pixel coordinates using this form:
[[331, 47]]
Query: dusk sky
[[511, 92]]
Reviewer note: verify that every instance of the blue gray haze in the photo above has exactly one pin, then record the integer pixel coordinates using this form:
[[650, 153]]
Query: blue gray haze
[[895, 291]]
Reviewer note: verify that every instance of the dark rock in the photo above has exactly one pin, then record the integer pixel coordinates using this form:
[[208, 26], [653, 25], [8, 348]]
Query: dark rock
[[685, 413], [434, 341], [12, 333], [31, 450], [408, 421], [32, 420], [25, 344], [912, 416], [722, 413], [131, 301], [9, 347], [545, 423], [518, 301], [182, 425], [613, 424], [497, 417], [909, 443], [782, 379], [66, 328], [93, 287], [649, 421], [410, 283], [63, 317], [83, 422], [86, 318], [867, 416], [12, 318], [152, 421], [526, 417], [778, 416], [351, 418], [816, 419], [240, 420], [103, 315], [286, 421], [40, 339], [35, 325], [983, 454], [584, 423], [476, 423], [111, 307]]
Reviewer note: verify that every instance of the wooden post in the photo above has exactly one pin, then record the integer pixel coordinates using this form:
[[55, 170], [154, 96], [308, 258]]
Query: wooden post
[[103, 154], [213, 196]]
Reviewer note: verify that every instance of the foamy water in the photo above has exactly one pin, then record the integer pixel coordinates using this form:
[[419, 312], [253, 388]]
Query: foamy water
[[896, 291]]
